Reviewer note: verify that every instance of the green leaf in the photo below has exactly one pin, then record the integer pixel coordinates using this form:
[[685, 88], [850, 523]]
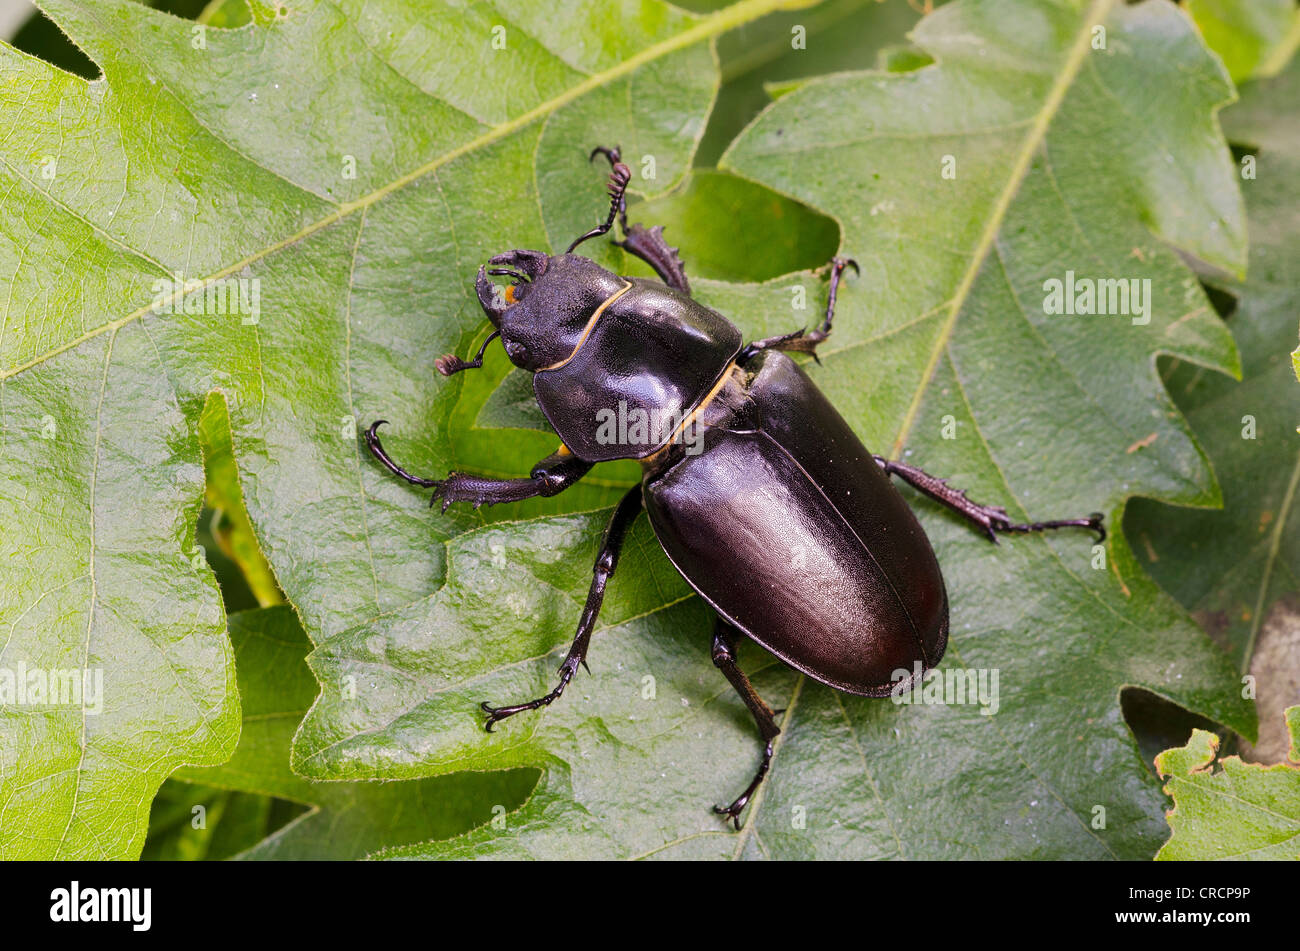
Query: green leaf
[[730, 229], [902, 58], [1254, 122], [1253, 37], [1235, 811], [226, 14], [359, 168], [103, 583], [344, 820], [231, 530], [1231, 566], [346, 173], [787, 48], [1067, 158]]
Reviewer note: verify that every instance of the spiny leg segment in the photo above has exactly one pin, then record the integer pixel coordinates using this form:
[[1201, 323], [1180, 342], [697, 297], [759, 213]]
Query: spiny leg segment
[[647, 243]]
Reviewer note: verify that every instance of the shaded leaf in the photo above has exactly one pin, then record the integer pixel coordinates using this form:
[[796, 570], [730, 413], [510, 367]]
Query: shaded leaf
[[231, 530], [1231, 566], [790, 47], [190, 822], [1235, 568]]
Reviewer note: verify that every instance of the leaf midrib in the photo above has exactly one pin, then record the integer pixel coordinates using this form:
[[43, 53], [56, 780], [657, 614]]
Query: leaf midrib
[[707, 28], [1033, 139]]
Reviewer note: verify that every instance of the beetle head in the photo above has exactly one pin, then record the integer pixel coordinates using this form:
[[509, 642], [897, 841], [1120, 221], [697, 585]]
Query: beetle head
[[543, 311]]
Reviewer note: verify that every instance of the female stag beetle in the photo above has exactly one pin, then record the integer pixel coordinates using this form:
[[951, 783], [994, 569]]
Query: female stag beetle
[[775, 470]]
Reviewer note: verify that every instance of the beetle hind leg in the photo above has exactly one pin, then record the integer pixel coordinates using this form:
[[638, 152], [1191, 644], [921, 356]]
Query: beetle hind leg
[[805, 340], [991, 518], [724, 658], [624, 515]]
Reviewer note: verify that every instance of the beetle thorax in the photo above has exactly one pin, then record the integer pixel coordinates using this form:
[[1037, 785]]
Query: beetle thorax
[[549, 315], [645, 362]]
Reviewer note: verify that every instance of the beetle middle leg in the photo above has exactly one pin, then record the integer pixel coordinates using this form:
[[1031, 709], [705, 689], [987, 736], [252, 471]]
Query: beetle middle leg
[[550, 476], [805, 340], [991, 518], [724, 658], [624, 515]]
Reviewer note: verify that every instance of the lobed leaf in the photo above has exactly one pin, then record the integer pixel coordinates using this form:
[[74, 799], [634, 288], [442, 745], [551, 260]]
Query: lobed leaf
[[344, 167]]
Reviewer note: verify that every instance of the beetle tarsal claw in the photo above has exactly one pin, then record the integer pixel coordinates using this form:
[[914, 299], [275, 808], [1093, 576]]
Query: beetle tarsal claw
[[1096, 522], [441, 493], [732, 812], [492, 718], [839, 264]]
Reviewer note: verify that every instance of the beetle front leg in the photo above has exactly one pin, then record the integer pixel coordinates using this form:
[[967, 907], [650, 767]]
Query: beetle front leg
[[724, 658], [647, 243], [991, 518], [806, 341], [549, 477], [624, 515]]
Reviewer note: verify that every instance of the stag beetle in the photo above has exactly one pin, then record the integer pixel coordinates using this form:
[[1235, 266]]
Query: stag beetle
[[773, 470]]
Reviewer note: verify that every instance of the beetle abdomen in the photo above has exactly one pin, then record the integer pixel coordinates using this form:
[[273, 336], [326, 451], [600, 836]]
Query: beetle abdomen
[[789, 528]]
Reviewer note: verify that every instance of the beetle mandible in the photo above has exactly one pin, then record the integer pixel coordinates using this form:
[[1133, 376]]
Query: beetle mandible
[[774, 470]]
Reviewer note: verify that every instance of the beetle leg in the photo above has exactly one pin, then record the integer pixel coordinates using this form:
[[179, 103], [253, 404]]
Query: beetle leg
[[648, 243], [991, 518], [549, 477], [619, 176], [724, 658], [805, 340], [377, 450], [615, 157], [629, 507]]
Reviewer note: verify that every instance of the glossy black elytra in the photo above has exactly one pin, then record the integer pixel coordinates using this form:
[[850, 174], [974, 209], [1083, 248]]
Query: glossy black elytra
[[774, 477]]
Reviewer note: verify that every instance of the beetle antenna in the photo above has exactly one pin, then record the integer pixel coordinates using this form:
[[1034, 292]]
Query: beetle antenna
[[619, 176], [449, 363]]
